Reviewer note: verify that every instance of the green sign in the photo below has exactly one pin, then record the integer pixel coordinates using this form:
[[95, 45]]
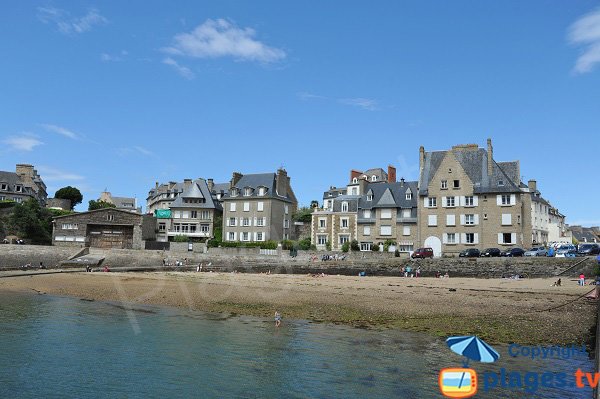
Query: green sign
[[162, 213]]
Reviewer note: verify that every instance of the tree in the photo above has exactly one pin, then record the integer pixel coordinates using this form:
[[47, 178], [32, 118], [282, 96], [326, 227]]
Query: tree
[[32, 222], [71, 193], [303, 214], [93, 205]]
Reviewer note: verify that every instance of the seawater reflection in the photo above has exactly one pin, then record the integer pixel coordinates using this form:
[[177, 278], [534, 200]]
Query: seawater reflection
[[56, 347]]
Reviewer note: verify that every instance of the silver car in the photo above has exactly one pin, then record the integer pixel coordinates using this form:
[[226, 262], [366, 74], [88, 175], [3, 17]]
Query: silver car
[[537, 251]]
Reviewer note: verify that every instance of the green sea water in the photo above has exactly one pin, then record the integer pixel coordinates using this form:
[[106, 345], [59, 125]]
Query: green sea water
[[55, 347]]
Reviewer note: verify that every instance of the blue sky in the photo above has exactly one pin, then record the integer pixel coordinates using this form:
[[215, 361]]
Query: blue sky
[[119, 95]]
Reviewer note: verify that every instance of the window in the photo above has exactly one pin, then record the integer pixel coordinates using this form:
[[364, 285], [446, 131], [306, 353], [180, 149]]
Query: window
[[344, 239], [69, 226], [110, 218], [367, 213], [432, 202], [469, 220], [451, 238], [369, 197], [185, 214], [231, 236], [247, 192], [245, 236], [432, 220], [322, 223], [205, 228], [194, 214], [162, 227], [286, 224], [469, 201], [246, 222], [365, 246], [344, 207], [260, 206], [450, 202], [233, 192], [259, 236], [409, 195], [344, 223], [246, 206], [4, 186], [405, 213], [261, 222], [500, 183], [19, 189], [485, 216], [354, 181], [444, 184], [232, 207], [262, 191], [385, 214], [470, 238], [232, 221], [406, 231], [385, 230], [321, 240], [60, 238], [286, 209], [450, 220], [505, 199], [205, 215], [507, 238], [354, 191], [373, 178], [367, 230], [506, 219], [456, 184]]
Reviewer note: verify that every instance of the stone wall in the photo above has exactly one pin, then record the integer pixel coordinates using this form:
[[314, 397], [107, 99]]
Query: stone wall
[[15, 256]]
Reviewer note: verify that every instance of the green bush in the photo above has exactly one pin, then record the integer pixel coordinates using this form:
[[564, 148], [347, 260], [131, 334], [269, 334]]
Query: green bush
[[354, 245], [181, 238], [7, 204], [213, 243], [375, 247], [345, 246], [304, 244], [250, 244], [286, 245], [387, 243], [303, 215], [397, 253], [328, 246]]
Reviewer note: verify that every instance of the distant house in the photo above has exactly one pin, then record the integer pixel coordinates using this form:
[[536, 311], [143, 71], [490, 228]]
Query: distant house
[[258, 207], [124, 203], [22, 184], [585, 234], [103, 228]]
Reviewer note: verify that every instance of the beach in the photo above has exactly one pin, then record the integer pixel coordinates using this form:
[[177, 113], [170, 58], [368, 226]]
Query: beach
[[526, 311]]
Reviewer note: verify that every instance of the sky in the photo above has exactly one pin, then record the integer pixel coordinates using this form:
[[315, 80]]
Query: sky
[[119, 95]]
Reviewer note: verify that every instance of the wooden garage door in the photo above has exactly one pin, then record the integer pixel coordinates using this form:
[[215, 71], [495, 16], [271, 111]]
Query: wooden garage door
[[111, 237]]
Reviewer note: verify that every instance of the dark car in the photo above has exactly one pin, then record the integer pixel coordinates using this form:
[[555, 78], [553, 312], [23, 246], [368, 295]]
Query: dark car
[[588, 249], [491, 252], [514, 252], [470, 253], [422, 253]]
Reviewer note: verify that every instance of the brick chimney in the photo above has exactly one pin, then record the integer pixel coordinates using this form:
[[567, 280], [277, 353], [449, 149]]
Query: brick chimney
[[354, 174], [171, 185], [490, 156], [187, 183], [532, 184], [211, 184], [235, 178], [281, 184], [391, 174]]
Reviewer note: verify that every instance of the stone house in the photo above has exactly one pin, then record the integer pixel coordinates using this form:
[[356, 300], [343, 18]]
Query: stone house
[[22, 184], [125, 203], [467, 199], [258, 207], [103, 228]]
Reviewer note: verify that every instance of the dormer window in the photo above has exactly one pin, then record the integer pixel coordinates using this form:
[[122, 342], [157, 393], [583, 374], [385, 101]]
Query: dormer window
[[3, 186], [373, 178], [354, 181], [262, 191], [219, 196], [19, 189], [444, 184], [344, 206], [500, 183], [408, 194], [247, 192], [369, 197]]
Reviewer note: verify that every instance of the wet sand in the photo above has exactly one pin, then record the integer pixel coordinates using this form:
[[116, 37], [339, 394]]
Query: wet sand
[[500, 311]]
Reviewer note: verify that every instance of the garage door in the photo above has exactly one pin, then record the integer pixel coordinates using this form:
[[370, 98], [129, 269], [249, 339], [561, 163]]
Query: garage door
[[111, 237]]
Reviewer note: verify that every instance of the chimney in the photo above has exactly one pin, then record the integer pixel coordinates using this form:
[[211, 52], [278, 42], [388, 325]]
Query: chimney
[[171, 185], [354, 174], [532, 184], [421, 158], [23, 169], [187, 183], [211, 184], [402, 182], [235, 178], [391, 174], [281, 185], [157, 185], [490, 156]]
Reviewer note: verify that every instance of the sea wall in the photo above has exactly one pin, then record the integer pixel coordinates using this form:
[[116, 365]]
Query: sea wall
[[249, 260]]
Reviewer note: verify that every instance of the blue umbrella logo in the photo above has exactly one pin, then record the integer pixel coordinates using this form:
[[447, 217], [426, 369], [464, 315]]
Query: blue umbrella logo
[[472, 348]]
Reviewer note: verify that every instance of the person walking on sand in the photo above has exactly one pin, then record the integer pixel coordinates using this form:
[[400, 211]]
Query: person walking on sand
[[277, 319]]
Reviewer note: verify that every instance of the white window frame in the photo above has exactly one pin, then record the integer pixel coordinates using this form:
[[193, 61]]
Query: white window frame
[[385, 231], [367, 230], [385, 213], [366, 213], [246, 207], [322, 223], [431, 220], [232, 207], [344, 206], [450, 220], [344, 223], [260, 206], [406, 230]]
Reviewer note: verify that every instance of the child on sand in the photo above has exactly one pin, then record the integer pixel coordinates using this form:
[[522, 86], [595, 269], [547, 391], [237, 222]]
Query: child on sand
[[277, 319]]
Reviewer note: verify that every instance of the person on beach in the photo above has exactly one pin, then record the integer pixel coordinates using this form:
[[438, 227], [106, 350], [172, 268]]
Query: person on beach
[[582, 279], [277, 319], [556, 283], [42, 265], [418, 272]]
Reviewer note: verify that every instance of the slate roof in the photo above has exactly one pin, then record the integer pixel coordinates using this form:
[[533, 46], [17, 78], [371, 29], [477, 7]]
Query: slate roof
[[123, 202], [256, 180], [390, 195], [334, 192], [12, 179], [475, 165], [583, 234], [198, 189], [220, 188]]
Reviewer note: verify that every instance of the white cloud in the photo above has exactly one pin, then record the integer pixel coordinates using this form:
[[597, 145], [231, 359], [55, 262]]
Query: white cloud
[[106, 57], [182, 70], [221, 38], [585, 32], [68, 24], [23, 142], [143, 150], [60, 130], [52, 174], [364, 103]]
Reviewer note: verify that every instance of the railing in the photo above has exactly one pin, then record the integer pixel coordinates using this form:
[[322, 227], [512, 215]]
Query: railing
[[272, 252], [366, 220], [406, 220]]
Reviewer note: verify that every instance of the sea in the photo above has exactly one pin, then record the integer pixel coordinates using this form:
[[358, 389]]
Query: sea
[[59, 347]]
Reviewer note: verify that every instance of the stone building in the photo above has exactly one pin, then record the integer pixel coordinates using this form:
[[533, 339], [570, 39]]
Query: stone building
[[22, 184], [124, 203], [104, 228], [370, 210], [557, 229], [258, 207], [468, 199]]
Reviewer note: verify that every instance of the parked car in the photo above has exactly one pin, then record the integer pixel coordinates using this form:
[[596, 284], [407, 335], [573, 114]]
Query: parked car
[[470, 253], [566, 250], [513, 252], [536, 251], [588, 249], [422, 253], [491, 252]]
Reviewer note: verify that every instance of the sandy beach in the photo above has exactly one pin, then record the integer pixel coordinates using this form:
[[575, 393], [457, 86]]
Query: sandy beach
[[498, 310]]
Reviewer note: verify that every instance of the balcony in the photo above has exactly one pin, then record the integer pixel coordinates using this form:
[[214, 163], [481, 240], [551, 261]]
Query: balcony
[[366, 220], [406, 220]]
